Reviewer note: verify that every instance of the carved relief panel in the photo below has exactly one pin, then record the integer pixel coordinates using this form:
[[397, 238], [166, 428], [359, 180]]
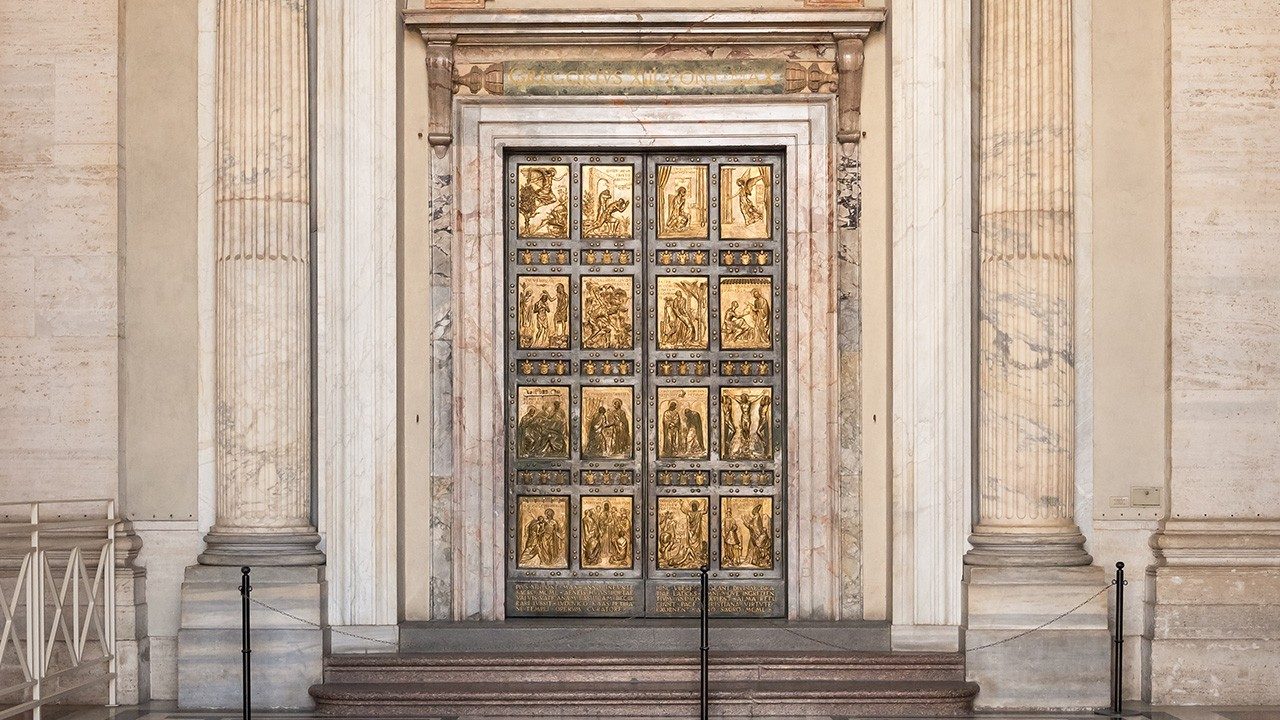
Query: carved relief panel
[[645, 371]]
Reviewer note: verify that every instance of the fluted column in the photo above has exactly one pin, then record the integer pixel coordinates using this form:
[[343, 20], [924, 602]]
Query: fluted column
[[263, 289], [1026, 373]]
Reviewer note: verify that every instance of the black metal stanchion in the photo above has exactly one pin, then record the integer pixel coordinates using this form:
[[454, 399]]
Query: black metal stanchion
[[1117, 653], [245, 589], [704, 674]]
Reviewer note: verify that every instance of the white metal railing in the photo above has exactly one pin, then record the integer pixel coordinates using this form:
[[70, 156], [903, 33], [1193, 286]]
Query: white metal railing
[[58, 628]]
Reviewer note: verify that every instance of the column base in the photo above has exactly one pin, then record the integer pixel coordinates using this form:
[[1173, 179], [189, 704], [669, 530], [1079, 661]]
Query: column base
[[288, 654], [1215, 604], [226, 548], [1027, 549], [1064, 666]]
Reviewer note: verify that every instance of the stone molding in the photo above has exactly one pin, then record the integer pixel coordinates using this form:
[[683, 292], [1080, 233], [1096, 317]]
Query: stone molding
[[1218, 543]]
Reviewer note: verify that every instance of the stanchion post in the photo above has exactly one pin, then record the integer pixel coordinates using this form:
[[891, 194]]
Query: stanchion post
[[1117, 653], [705, 649], [1117, 646], [245, 650]]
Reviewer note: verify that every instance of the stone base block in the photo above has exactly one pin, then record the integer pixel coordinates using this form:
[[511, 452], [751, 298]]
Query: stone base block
[[1063, 666], [1215, 636], [288, 654]]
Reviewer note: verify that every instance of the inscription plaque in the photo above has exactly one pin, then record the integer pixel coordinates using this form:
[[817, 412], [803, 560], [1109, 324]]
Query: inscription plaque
[[644, 77]]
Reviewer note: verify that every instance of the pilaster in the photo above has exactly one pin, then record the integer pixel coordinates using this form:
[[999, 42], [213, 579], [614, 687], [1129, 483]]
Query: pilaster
[[932, 270]]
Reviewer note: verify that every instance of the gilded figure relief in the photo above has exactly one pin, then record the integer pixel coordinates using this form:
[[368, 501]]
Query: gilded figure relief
[[682, 532], [543, 539], [606, 201], [606, 313], [606, 422], [746, 423], [542, 428], [542, 201], [682, 206], [682, 313], [682, 422], [745, 201], [746, 313], [746, 532], [606, 532], [542, 312]]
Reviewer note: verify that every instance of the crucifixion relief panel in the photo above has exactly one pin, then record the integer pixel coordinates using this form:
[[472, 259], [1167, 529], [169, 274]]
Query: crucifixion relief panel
[[645, 368]]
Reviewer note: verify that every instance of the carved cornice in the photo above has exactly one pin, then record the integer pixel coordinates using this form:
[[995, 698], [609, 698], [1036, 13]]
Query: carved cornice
[[570, 28]]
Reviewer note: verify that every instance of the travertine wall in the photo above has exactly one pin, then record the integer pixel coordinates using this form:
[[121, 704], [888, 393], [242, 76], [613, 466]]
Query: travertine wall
[[1216, 611], [1226, 217], [58, 261]]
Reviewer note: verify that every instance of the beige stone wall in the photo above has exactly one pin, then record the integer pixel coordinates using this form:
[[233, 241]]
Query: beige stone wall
[[59, 163], [1225, 267]]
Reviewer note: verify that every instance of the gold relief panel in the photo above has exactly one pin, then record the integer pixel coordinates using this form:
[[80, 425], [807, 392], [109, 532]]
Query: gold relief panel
[[606, 313], [683, 527], [542, 312], [606, 423], [542, 427], [746, 201], [606, 532], [543, 532], [746, 533], [542, 201], [682, 201], [682, 313], [682, 423], [746, 313], [746, 423], [606, 201]]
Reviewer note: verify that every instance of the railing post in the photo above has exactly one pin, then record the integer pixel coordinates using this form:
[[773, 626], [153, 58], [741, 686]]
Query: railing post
[[109, 575], [705, 648], [35, 613], [245, 651]]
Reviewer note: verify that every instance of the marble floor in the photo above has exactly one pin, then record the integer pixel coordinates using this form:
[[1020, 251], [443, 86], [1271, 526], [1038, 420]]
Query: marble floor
[[166, 711]]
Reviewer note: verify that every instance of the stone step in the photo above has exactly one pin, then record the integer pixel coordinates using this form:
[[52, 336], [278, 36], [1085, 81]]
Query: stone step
[[760, 699], [644, 684], [642, 666]]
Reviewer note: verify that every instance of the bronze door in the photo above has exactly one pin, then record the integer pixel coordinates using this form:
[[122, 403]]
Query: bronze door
[[645, 396]]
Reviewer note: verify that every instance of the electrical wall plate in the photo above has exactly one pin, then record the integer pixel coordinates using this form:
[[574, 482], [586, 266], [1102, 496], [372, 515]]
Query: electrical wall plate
[[1146, 496]]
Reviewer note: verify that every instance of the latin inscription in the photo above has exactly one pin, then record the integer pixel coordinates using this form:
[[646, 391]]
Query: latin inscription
[[736, 600], [586, 598], [643, 77]]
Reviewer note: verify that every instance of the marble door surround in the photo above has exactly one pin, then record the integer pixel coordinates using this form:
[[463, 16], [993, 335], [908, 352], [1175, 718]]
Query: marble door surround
[[474, 118]]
